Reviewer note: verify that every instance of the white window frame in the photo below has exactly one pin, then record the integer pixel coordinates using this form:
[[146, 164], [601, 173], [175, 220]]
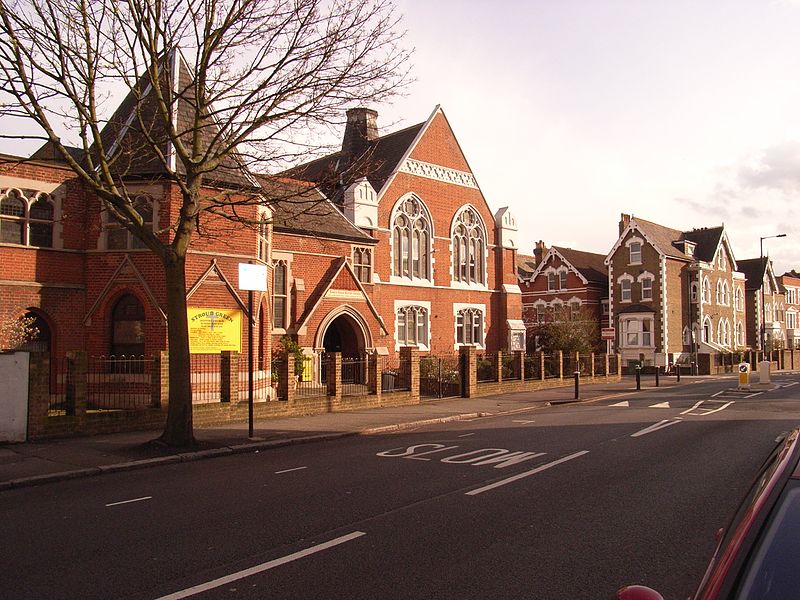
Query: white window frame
[[461, 309], [706, 290], [468, 248], [422, 311], [284, 295], [632, 260], [408, 253], [625, 279], [637, 331], [25, 221], [363, 270]]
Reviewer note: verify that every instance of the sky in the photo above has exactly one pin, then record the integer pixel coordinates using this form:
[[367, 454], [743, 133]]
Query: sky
[[573, 112]]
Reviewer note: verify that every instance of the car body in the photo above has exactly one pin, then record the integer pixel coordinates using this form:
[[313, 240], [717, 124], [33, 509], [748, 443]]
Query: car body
[[757, 554]]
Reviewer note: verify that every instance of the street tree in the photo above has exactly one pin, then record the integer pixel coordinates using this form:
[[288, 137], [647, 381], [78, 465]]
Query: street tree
[[215, 90], [566, 330]]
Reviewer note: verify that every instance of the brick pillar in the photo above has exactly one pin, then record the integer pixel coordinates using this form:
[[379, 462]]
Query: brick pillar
[[77, 385], [541, 366], [409, 369], [159, 380], [498, 367], [334, 375], [229, 376], [607, 364], [591, 364], [38, 392], [519, 364], [619, 365], [286, 378], [374, 374], [561, 364], [468, 365]]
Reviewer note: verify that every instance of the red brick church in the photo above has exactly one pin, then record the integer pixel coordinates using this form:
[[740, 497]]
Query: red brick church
[[387, 243]]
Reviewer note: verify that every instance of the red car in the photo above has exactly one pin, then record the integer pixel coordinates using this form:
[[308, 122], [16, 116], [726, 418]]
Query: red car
[[758, 555]]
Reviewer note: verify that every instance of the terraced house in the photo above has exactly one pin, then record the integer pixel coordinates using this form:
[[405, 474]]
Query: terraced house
[[791, 284], [765, 305], [674, 294]]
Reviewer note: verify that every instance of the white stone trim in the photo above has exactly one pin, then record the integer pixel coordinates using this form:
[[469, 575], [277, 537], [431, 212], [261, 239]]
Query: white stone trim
[[438, 173]]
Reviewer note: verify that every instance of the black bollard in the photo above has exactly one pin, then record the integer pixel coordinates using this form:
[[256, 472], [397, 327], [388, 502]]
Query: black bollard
[[657, 370], [638, 378], [678, 371], [577, 385]]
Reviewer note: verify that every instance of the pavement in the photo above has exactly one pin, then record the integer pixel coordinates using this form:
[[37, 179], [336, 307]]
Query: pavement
[[40, 462]]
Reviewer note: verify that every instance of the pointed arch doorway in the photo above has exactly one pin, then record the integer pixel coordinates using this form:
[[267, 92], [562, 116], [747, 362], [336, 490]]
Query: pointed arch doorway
[[344, 331]]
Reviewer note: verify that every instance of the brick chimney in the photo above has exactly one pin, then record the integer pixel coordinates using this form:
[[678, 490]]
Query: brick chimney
[[624, 220], [539, 251], [361, 129]]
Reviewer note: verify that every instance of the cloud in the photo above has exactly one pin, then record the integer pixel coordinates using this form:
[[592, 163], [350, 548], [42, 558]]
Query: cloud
[[778, 168]]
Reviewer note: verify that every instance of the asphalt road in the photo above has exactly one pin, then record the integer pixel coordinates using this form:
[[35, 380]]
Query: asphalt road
[[564, 502]]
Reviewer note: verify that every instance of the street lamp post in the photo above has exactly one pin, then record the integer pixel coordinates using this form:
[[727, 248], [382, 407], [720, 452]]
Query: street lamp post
[[764, 271]]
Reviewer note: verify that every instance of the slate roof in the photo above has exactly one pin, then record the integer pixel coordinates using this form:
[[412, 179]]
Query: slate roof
[[336, 172], [47, 152], [299, 207], [668, 240], [589, 264], [753, 269], [125, 135]]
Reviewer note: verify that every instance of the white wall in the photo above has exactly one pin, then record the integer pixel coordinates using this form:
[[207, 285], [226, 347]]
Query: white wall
[[14, 396]]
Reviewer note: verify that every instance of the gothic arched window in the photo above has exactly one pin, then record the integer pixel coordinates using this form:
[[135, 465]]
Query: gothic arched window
[[411, 235], [469, 247]]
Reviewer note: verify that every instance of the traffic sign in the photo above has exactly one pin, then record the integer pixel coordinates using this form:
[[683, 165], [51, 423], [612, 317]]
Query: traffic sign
[[608, 333]]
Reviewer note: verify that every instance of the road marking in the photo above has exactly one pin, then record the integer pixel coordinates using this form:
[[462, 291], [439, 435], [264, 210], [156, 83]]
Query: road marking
[[707, 411], [661, 405], [466, 435], [524, 422], [756, 394], [519, 476], [656, 427], [215, 583], [624, 404], [290, 470], [718, 393], [129, 501], [790, 384]]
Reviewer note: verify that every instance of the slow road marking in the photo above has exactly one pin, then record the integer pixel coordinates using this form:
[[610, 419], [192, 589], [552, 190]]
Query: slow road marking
[[215, 583], [524, 474], [703, 410]]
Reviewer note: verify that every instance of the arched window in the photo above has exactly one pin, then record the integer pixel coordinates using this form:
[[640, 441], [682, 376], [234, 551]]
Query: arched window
[[469, 326], [412, 326], [127, 327], [723, 333], [411, 235], [739, 334], [280, 295], [707, 330], [26, 223], [693, 291], [739, 299], [706, 291], [469, 247]]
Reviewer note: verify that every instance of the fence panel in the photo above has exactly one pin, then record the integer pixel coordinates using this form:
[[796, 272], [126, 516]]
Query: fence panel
[[440, 376], [511, 370], [613, 364], [354, 376], [585, 365], [205, 370], [261, 382], [62, 398], [394, 374], [118, 383], [551, 365], [600, 364], [487, 367], [533, 367], [307, 376]]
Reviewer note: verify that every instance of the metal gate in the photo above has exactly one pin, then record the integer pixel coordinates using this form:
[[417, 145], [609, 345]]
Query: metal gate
[[440, 376]]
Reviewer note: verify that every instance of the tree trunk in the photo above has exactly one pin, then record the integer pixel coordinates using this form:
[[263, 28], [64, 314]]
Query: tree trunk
[[178, 430]]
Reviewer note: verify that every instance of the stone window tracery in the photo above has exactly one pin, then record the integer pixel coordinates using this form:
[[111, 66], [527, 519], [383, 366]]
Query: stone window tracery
[[27, 218], [412, 235], [469, 247]]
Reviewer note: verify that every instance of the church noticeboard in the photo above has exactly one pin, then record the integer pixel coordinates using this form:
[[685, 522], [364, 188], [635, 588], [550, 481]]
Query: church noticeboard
[[212, 330]]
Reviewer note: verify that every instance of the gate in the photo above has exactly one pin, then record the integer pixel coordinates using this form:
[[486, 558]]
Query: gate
[[440, 376]]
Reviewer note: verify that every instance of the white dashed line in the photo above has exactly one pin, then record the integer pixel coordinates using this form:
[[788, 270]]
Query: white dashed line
[[130, 501], [290, 470]]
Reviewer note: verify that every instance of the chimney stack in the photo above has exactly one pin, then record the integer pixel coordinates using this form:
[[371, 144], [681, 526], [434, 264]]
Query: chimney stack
[[361, 129], [624, 220], [539, 252]]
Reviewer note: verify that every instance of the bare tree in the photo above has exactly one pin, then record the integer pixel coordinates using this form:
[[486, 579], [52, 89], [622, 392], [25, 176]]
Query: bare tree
[[566, 330], [214, 90]]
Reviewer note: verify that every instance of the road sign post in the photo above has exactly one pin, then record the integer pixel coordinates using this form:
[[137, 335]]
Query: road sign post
[[251, 278]]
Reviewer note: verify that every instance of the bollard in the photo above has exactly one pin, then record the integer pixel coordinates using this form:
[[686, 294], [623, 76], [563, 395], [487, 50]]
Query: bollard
[[678, 371], [577, 385], [657, 370], [638, 377]]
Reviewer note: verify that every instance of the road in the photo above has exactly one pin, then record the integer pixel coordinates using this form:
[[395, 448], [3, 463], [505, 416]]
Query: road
[[569, 501]]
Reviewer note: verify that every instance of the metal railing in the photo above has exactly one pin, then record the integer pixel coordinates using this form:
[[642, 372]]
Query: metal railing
[[118, 383], [440, 376], [486, 365], [354, 376]]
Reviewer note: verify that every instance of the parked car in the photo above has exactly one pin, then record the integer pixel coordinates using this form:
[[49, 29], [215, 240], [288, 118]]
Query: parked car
[[757, 554]]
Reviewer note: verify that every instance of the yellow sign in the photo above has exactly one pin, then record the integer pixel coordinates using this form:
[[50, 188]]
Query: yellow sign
[[212, 330]]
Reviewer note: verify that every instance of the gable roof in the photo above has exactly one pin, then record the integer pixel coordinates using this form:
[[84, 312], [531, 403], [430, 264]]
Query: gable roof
[[589, 264], [299, 207], [136, 127], [335, 172], [753, 269], [707, 239], [526, 265]]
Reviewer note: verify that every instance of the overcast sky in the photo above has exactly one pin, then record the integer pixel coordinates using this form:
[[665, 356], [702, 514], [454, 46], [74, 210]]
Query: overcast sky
[[572, 112]]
